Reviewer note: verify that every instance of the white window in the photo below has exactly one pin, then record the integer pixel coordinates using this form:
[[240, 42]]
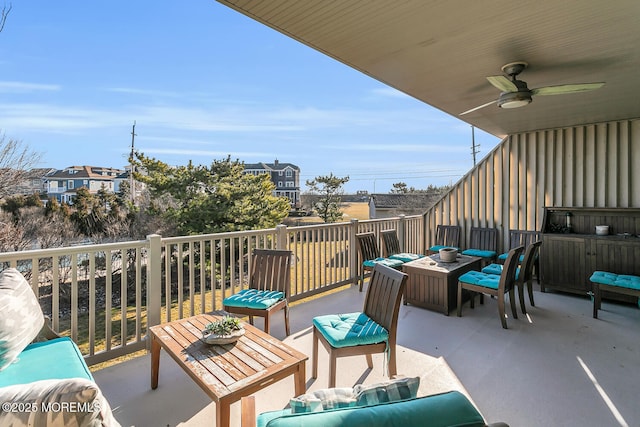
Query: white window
[[290, 184], [289, 173], [279, 173], [70, 184], [279, 183]]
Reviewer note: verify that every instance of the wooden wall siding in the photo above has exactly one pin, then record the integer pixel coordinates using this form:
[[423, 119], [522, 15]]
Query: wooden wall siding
[[595, 165]]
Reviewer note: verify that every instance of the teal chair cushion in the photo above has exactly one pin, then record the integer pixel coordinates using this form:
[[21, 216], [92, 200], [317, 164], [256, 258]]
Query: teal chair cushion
[[493, 269], [406, 257], [506, 255], [479, 253], [496, 269], [47, 360], [253, 298], [389, 262], [480, 279], [436, 248], [440, 410], [612, 279], [347, 330]]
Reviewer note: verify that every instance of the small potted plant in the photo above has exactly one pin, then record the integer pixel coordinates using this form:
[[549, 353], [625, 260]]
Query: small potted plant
[[223, 331]]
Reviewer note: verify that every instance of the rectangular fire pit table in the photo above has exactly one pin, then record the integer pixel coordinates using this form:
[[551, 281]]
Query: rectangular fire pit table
[[226, 372], [433, 284]]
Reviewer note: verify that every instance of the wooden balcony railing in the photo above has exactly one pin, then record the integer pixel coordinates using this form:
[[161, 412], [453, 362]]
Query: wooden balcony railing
[[105, 296]]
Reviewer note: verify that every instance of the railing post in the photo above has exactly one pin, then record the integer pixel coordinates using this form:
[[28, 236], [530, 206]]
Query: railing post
[[282, 242], [154, 281], [353, 252], [401, 232]]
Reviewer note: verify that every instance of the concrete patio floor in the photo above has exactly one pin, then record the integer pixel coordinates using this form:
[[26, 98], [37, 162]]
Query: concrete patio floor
[[555, 367]]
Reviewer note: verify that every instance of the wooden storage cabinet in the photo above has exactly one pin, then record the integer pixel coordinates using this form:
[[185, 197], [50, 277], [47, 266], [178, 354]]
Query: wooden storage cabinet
[[569, 259]]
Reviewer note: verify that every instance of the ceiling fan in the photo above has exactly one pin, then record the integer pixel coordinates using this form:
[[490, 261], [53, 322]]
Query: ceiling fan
[[515, 93]]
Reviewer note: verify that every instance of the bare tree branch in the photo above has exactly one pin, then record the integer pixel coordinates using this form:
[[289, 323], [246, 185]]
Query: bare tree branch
[[15, 160], [3, 15]]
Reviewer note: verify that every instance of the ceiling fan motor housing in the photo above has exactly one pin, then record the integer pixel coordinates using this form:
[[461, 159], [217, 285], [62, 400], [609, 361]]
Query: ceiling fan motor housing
[[516, 99]]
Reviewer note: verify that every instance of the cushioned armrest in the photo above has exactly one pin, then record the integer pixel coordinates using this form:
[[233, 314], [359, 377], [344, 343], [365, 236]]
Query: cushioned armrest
[[46, 333]]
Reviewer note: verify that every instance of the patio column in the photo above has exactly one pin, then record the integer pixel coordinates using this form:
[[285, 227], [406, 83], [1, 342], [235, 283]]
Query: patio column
[[282, 241], [154, 280], [353, 252], [401, 232]]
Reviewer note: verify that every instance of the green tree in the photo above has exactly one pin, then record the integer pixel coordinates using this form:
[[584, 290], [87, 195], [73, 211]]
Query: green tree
[[211, 199], [399, 188], [329, 188]]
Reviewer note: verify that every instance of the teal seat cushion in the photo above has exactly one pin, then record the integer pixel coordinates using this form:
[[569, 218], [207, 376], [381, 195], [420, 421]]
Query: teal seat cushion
[[406, 257], [612, 279], [480, 279], [496, 269], [493, 269], [479, 253], [506, 255], [48, 360], [436, 248], [389, 262], [347, 330], [253, 298], [440, 410]]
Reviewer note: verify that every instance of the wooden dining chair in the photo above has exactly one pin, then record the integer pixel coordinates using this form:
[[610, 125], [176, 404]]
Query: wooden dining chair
[[447, 236], [524, 273], [523, 238], [483, 243], [269, 288], [363, 333], [392, 247], [490, 284], [370, 254]]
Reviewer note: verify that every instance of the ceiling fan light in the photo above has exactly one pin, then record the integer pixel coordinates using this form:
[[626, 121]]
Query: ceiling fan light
[[514, 99]]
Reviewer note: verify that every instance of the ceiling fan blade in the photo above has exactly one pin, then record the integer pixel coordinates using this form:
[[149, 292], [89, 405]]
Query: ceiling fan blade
[[478, 107], [562, 89], [503, 83]]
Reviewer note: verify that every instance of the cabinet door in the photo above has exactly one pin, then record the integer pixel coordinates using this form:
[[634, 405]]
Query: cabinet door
[[563, 260], [616, 256]]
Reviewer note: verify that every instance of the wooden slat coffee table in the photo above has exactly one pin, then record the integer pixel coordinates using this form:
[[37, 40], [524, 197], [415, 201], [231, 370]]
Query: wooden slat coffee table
[[226, 372]]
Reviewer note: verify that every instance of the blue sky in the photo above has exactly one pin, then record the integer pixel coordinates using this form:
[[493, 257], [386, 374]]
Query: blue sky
[[202, 82]]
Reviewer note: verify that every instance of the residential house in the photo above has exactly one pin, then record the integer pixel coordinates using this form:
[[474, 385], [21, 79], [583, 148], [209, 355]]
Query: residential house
[[30, 182], [63, 184], [392, 205], [285, 176]]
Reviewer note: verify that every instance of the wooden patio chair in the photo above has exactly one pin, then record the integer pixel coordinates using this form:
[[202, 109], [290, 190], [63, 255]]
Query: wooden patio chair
[[371, 331], [269, 288], [490, 284], [368, 246], [483, 243], [392, 247], [522, 238], [447, 236], [524, 273]]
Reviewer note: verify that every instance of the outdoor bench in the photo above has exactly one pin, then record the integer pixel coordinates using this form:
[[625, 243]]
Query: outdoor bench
[[617, 283]]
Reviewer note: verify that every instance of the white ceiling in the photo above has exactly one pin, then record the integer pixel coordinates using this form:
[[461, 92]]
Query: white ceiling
[[440, 51]]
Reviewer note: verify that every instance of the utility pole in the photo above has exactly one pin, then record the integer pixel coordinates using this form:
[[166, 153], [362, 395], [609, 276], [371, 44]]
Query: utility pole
[[474, 147], [132, 182]]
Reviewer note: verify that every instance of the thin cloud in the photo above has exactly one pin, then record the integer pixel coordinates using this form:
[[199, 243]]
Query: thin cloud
[[211, 153], [389, 92], [22, 87]]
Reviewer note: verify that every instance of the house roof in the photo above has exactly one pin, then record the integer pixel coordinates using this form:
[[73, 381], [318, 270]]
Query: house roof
[[92, 172], [441, 52], [276, 166], [405, 201]]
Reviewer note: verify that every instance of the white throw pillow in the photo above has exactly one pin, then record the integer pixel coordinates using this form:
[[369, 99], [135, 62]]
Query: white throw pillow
[[20, 315], [74, 402]]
